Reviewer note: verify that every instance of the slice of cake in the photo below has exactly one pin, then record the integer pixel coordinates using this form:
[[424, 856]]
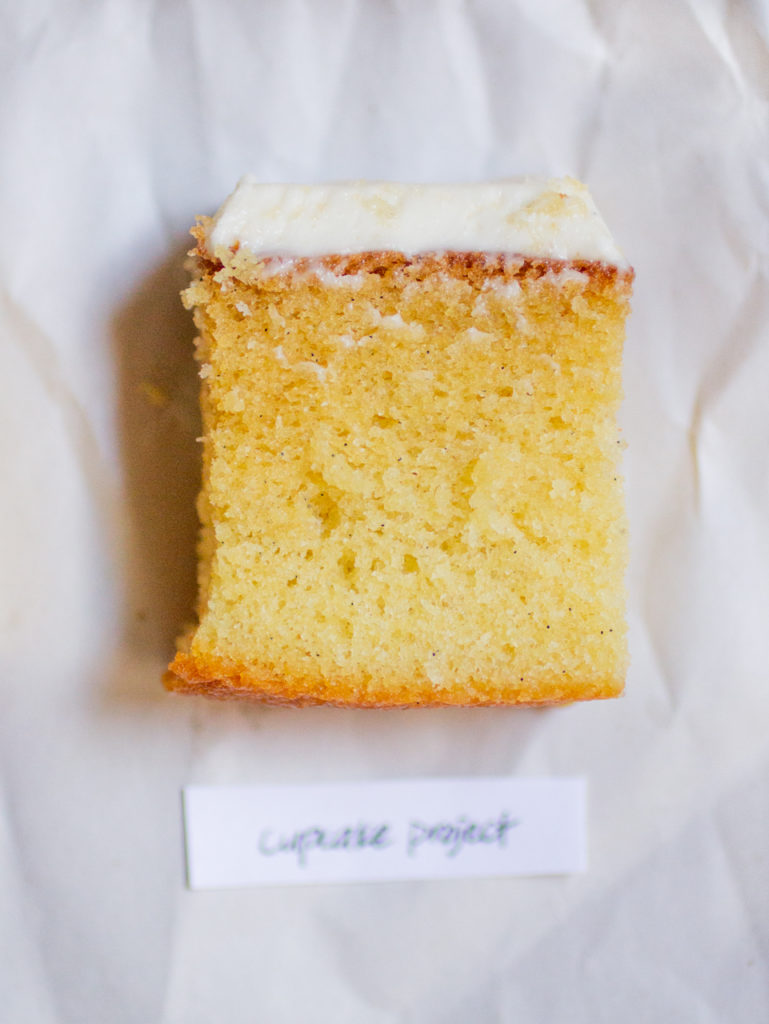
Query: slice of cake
[[411, 492]]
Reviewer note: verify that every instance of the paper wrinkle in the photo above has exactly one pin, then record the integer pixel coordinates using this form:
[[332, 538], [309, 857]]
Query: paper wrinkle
[[574, 27], [716, 31], [742, 896], [342, 950], [664, 674], [175, 960], [31, 988], [463, 45], [746, 800], [41, 354], [749, 324], [671, 934]]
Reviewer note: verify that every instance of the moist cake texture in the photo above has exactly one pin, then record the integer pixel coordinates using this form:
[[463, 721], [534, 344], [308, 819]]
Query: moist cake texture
[[411, 492]]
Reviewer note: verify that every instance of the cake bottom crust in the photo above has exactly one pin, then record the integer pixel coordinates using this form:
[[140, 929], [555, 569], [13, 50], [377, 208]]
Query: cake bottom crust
[[223, 680]]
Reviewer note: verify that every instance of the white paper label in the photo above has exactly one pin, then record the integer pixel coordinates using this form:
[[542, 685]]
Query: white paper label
[[383, 831]]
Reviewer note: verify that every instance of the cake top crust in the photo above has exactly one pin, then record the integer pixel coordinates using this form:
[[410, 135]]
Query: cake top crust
[[553, 218]]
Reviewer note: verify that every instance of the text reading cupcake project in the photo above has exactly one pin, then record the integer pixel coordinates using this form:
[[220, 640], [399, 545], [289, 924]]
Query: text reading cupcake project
[[240, 836], [449, 836]]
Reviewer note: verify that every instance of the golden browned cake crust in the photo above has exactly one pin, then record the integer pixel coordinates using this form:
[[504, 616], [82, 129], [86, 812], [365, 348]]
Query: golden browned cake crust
[[411, 490], [223, 680]]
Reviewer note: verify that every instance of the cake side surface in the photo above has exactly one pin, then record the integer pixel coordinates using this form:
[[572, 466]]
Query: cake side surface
[[411, 488]]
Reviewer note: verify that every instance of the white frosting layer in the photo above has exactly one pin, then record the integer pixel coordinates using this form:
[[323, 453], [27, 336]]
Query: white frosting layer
[[553, 218]]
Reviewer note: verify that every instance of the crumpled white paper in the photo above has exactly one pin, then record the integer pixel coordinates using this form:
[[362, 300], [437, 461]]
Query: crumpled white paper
[[120, 122]]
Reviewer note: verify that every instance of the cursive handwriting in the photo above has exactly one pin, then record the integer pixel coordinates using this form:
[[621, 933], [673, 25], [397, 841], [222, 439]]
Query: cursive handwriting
[[454, 835], [302, 842]]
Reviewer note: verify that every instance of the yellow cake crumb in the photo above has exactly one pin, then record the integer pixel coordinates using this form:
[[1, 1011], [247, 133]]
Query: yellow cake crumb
[[411, 489]]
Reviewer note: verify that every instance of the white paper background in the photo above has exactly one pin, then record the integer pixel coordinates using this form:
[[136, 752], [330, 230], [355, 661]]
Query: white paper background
[[118, 122]]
